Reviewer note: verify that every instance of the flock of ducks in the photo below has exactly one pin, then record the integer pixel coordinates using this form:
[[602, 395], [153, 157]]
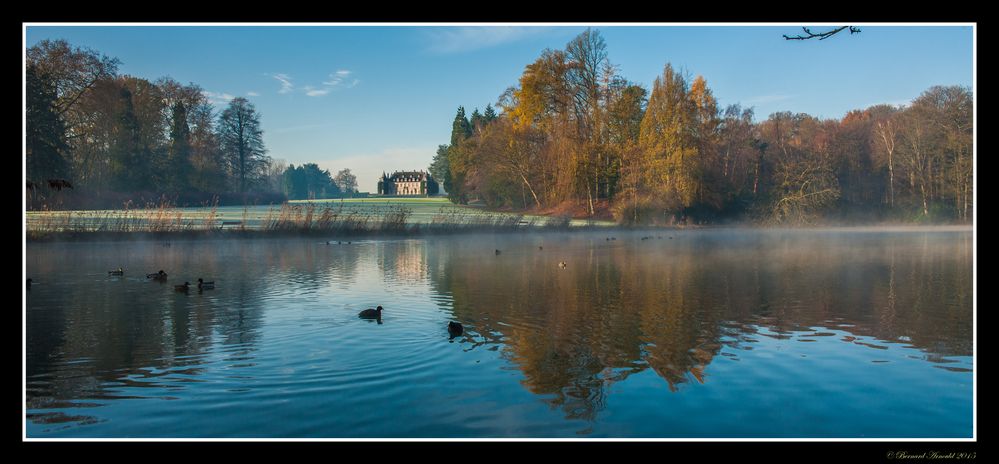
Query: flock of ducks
[[202, 285], [454, 329], [161, 276]]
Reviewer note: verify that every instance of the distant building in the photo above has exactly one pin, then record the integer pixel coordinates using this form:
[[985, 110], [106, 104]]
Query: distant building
[[407, 183]]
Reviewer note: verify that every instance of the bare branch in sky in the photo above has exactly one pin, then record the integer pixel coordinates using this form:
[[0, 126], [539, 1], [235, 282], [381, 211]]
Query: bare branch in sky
[[821, 35]]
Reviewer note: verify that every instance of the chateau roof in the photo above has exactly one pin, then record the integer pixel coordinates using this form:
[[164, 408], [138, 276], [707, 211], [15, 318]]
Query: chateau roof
[[407, 176]]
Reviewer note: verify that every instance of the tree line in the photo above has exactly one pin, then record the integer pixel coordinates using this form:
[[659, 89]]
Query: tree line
[[574, 134], [308, 181], [114, 138]]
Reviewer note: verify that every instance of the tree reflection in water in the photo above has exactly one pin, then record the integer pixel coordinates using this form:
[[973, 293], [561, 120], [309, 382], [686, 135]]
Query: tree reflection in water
[[672, 307]]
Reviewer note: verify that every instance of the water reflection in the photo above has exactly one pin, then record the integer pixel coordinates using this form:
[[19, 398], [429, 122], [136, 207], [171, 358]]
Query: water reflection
[[618, 309]]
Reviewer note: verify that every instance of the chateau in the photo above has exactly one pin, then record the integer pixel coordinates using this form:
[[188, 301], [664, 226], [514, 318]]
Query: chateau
[[407, 183]]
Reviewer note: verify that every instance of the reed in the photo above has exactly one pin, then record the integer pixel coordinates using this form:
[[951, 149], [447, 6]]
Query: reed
[[323, 219]]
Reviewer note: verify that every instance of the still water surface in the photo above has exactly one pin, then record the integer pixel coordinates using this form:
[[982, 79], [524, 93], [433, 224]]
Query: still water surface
[[716, 334]]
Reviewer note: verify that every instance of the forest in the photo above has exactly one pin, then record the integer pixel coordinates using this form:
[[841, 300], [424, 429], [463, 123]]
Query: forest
[[575, 137], [120, 141]]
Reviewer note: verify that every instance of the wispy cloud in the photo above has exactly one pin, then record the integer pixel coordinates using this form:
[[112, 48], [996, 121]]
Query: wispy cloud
[[463, 39], [286, 85], [252, 94], [217, 97], [341, 79], [313, 92]]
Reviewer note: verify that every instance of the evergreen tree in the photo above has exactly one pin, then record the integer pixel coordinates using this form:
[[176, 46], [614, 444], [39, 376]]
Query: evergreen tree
[[490, 114], [294, 183], [440, 168], [46, 132], [477, 121], [127, 162], [461, 129], [179, 157]]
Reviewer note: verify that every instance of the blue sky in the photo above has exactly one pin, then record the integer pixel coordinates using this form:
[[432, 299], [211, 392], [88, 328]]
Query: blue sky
[[373, 98]]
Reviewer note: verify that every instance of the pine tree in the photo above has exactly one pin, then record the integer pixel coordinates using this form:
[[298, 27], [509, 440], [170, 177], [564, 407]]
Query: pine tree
[[440, 168], [461, 129], [46, 132], [127, 162], [476, 121], [179, 157], [490, 114]]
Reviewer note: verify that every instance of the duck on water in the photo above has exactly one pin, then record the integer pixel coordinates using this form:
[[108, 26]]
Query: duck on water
[[371, 313]]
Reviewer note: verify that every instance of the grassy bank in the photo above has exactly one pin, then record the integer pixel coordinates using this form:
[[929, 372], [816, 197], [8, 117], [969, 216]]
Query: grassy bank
[[326, 218]]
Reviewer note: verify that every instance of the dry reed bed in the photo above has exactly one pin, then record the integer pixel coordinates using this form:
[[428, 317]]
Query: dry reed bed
[[312, 219]]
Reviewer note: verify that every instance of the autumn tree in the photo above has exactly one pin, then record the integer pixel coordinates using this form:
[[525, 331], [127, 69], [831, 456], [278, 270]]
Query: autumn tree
[[671, 170], [74, 72], [457, 158], [706, 125], [803, 182], [573, 132], [512, 153], [739, 157]]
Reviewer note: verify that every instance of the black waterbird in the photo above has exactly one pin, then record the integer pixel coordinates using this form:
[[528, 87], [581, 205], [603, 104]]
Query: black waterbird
[[371, 313]]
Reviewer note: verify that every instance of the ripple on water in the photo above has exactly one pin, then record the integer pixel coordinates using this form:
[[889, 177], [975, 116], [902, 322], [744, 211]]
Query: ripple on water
[[634, 336]]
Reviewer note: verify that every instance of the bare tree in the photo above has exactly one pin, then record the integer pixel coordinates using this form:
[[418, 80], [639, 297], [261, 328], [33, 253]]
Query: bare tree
[[821, 35], [886, 132], [346, 181]]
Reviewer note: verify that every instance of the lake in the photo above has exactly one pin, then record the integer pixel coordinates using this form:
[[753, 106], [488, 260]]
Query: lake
[[852, 333]]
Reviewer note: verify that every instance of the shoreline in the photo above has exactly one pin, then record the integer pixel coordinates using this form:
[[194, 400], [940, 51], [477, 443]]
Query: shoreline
[[419, 231]]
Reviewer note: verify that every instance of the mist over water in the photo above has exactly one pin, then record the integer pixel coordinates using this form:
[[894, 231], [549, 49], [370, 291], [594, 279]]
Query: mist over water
[[719, 333]]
